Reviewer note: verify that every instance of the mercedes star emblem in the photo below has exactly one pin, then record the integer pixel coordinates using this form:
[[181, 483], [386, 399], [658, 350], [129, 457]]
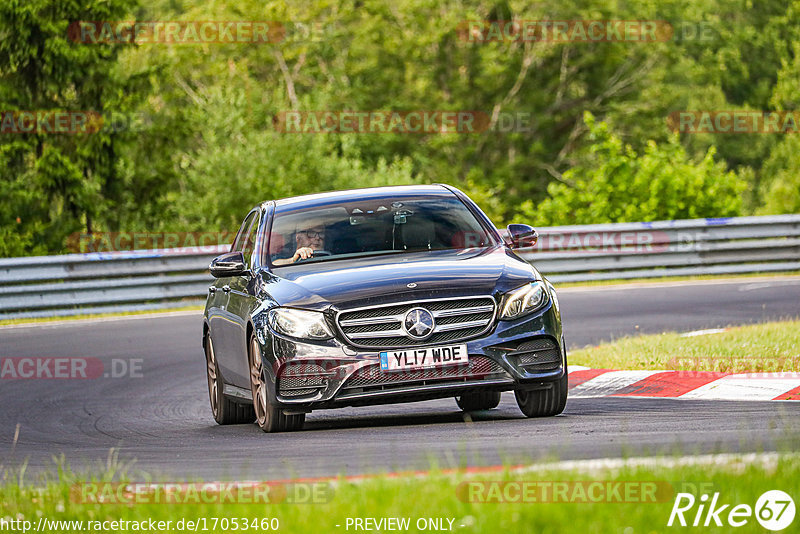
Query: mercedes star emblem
[[418, 323]]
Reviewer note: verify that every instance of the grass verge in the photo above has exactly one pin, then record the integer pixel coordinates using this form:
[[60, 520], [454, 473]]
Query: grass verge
[[37, 320], [627, 499], [766, 347]]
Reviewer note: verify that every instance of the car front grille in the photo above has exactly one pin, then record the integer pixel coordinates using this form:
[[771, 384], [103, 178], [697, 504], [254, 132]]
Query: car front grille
[[478, 368], [382, 326]]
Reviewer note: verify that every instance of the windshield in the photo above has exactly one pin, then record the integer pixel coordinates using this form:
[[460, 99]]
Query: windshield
[[373, 227]]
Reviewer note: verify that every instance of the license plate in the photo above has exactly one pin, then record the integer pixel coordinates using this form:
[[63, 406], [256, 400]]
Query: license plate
[[423, 357]]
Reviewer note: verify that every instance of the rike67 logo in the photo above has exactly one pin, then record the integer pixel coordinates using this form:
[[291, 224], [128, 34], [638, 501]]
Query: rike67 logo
[[774, 510]]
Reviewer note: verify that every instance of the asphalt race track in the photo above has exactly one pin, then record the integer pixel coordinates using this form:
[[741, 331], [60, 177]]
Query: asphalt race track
[[160, 416]]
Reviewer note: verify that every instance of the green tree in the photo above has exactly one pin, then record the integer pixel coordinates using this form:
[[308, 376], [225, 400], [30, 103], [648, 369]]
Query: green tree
[[781, 191], [615, 184], [208, 149], [55, 184]]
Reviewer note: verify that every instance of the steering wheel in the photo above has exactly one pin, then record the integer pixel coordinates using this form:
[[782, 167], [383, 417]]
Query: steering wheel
[[316, 254]]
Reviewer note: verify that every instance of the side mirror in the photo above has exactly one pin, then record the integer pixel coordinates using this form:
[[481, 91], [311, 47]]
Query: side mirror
[[229, 264], [521, 236]]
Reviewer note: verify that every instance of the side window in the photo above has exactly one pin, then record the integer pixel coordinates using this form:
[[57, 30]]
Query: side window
[[250, 241], [238, 243]]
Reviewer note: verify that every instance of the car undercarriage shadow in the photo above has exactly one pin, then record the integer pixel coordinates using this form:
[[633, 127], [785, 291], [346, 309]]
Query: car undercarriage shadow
[[329, 421]]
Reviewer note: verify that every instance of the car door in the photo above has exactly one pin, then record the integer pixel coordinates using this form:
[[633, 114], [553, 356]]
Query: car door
[[228, 328], [240, 302]]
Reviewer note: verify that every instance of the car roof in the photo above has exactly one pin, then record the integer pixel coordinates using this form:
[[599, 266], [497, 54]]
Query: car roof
[[335, 197]]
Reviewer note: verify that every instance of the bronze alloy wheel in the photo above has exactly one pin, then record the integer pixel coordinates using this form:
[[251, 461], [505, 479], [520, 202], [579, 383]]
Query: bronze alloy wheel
[[211, 372], [268, 416], [257, 386], [225, 411]]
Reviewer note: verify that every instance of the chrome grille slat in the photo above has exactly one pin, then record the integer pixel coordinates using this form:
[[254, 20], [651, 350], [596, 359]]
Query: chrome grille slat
[[372, 320], [462, 311], [453, 319], [381, 326], [378, 327], [459, 326], [379, 333]]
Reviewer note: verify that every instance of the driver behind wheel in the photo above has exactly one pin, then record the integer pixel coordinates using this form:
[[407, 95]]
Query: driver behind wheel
[[308, 241]]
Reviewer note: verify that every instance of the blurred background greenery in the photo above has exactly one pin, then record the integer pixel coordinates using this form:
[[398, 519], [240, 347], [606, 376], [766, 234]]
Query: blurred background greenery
[[597, 147]]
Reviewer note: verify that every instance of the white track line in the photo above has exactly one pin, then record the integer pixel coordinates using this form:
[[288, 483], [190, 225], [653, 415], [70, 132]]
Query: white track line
[[736, 461], [575, 368], [767, 460], [609, 383], [735, 387], [695, 333]]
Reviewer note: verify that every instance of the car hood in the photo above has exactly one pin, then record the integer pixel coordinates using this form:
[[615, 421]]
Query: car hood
[[375, 280]]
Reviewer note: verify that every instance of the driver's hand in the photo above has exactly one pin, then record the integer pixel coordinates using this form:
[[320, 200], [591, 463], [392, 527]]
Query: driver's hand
[[302, 253]]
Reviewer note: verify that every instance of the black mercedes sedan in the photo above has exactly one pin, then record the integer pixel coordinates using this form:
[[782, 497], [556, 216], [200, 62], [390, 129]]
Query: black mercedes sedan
[[382, 295]]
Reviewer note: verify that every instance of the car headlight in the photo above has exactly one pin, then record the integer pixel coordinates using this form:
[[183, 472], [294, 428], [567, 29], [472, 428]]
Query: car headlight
[[524, 300], [301, 324]]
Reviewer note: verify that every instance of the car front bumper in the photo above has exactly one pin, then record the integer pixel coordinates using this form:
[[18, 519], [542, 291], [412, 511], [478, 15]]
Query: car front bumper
[[526, 353]]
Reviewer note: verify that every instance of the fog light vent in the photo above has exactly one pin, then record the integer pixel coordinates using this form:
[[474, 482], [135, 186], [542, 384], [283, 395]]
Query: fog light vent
[[537, 355]]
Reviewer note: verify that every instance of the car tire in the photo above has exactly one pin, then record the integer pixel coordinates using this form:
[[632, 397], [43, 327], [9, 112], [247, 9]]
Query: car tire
[[269, 417], [482, 400], [224, 410], [543, 402]]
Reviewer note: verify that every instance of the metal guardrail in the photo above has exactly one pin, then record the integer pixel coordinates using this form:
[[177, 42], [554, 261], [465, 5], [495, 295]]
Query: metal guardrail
[[668, 248], [151, 279], [71, 284]]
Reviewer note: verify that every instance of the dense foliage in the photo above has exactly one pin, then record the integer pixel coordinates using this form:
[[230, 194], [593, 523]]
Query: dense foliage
[[578, 132], [614, 183]]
